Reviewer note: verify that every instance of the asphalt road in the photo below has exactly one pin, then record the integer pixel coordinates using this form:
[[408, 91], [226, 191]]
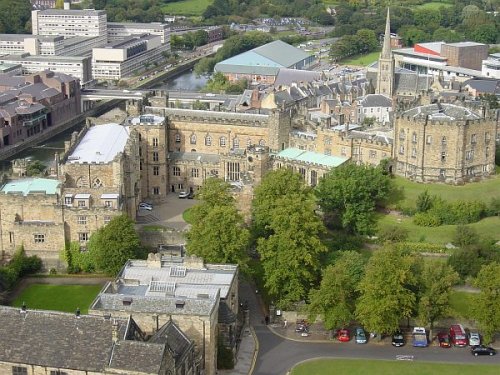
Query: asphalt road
[[278, 355]]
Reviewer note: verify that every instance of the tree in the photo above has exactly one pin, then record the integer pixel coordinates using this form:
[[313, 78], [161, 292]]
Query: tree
[[35, 168], [290, 255], [486, 304], [335, 299], [436, 284], [485, 33], [220, 237], [424, 201], [215, 192], [275, 185], [465, 236], [112, 245], [387, 290], [352, 192]]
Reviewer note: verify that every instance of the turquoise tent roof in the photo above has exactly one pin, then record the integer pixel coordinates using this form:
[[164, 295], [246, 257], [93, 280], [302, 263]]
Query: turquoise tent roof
[[26, 186], [311, 157]]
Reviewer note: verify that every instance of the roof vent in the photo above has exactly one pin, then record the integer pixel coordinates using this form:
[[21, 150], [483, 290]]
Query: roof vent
[[127, 301], [203, 295], [179, 304], [77, 313]]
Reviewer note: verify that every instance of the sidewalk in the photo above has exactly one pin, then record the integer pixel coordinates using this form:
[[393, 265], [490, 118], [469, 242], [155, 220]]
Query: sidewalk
[[247, 354]]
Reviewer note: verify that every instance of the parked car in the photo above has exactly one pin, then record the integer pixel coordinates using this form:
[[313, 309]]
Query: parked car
[[184, 194], [398, 339], [444, 340], [343, 335], [145, 206], [191, 195], [360, 336], [458, 335], [482, 350], [474, 339]]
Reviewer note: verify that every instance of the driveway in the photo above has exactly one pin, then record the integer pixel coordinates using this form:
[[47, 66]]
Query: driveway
[[167, 214]]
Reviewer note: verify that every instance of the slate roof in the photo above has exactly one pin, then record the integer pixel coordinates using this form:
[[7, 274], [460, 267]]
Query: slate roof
[[41, 337], [171, 335], [141, 357], [442, 112], [287, 76], [311, 157], [376, 100], [195, 156], [411, 83], [489, 86]]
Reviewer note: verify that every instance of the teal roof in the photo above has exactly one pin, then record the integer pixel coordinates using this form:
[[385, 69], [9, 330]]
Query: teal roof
[[311, 157], [248, 63], [26, 186], [282, 53]]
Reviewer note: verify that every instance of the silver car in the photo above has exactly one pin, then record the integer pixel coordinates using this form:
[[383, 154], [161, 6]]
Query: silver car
[[474, 339]]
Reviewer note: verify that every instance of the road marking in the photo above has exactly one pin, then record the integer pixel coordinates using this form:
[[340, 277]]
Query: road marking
[[401, 357]]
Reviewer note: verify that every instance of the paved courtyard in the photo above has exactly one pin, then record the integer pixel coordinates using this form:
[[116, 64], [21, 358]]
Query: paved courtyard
[[167, 214]]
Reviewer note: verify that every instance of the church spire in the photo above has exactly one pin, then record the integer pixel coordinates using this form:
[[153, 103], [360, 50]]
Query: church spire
[[386, 48]]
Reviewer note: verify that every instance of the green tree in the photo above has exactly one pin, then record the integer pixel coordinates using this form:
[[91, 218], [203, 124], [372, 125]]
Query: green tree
[[35, 168], [59, 4], [436, 284], [335, 299], [486, 33], [465, 236], [112, 245], [424, 202], [387, 290], [290, 255], [352, 193], [275, 185], [486, 304]]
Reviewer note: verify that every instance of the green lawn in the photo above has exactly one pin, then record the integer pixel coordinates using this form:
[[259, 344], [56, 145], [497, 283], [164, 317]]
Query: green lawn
[[460, 303], [361, 60], [483, 190], [443, 234], [434, 5], [187, 7], [58, 297], [375, 367]]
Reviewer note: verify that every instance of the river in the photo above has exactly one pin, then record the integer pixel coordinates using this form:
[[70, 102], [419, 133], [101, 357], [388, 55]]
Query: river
[[187, 81]]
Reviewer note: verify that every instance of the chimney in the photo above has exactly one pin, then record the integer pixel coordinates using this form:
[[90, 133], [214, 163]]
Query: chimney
[[114, 333], [346, 128]]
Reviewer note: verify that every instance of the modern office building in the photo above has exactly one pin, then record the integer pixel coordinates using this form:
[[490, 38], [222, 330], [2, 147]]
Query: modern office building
[[17, 44], [491, 66], [121, 30]]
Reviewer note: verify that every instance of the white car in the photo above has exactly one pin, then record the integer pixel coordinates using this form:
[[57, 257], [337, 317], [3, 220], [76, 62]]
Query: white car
[[184, 194], [145, 206], [474, 339]]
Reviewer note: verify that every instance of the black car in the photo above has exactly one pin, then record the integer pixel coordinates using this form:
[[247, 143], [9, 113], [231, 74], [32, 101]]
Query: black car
[[398, 339], [482, 350]]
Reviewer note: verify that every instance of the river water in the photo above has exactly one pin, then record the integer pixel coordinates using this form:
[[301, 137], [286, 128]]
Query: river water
[[187, 81]]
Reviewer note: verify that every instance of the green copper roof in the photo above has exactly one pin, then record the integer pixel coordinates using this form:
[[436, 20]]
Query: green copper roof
[[311, 157], [26, 186]]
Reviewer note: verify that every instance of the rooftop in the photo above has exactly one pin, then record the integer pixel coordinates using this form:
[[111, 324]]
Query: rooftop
[[465, 44], [442, 112], [311, 157], [31, 185], [147, 120], [72, 12], [100, 144], [282, 53]]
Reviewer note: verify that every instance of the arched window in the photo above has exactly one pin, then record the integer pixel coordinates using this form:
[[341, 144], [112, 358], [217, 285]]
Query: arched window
[[192, 139], [222, 141], [402, 135], [97, 183], [236, 143], [208, 140], [80, 182], [414, 137], [262, 142]]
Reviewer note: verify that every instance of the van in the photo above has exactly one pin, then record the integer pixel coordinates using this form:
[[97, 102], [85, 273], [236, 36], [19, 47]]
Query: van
[[419, 337], [458, 335]]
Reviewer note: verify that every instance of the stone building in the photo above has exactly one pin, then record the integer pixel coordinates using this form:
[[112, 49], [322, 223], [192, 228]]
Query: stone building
[[186, 291], [59, 343], [444, 143]]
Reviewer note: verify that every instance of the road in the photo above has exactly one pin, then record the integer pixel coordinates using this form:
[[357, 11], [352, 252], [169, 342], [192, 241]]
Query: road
[[278, 355]]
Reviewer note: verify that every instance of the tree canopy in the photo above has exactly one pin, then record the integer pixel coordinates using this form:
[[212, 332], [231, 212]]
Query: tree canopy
[[112, 245], [351, 193], [486, 305], [15, 16]]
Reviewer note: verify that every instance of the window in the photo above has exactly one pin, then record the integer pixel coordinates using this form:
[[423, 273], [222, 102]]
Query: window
[[16, 370], [58, 372], [39, 238], [314, 178], [155, 156], [443, 141], [373, 154], [83, 236], [473, 139], [236, 143], [442, 173], [302, 171], [401, 150], [195, 172], [328, 140], [68, 201], [414, 137], [214, 172], [177, 138], [343, 151], [156, 171], [414, 152], [176, 171], [107, 219], [262, 142], [222, 141], [487, 152], [208, 140], [82, 219], [180, 186], [155, 142], [192, 139], [82, 204], [402, 135], [469, 155], [443, 156], [97, 183], [487, 137], [428, 140], [108, 204], [156, 190], [249, 142]]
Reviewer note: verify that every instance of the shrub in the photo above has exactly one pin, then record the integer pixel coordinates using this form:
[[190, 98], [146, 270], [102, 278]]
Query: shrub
[[422, 247], [465, 236], [466, 212], [493, 209], [426, 219], [393, 234], [78, 261], [424, 202], [20, 265]]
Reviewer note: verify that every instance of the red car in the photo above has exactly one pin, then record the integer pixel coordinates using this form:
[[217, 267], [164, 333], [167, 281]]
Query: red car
[[343, 335], [444, 340]]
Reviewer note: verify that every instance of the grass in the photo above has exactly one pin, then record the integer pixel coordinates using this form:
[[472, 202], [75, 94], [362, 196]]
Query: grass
[[434, 5], [153, 228], [361, 60], [375, 367], [186, 7], [460, 303], [483, 191], [188, 216], [65, 298], [443, 234]]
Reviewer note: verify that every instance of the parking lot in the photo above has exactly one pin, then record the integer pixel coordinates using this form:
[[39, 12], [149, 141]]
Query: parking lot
[[167, 214]]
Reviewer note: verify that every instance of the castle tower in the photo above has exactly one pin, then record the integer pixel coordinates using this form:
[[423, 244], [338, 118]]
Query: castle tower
[[385, 77]]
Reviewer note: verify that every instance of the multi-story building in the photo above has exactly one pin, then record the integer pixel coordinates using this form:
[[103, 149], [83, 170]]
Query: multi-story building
[[124, 57], [31, 105], [187, 292], [18, 44], [374, 106], [91, 345], [121, 30], [444, 143], [491, 66]]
